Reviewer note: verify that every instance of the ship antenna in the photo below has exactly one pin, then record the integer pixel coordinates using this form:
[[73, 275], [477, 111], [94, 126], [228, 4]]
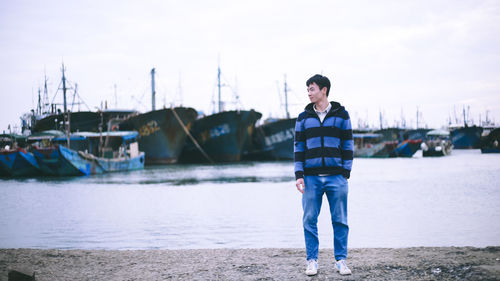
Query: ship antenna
[[219, 87], [465, 119], [64, 88], [380, 118], [39, 107], [153, 91], [417, 117], [286, 99], [45, 96]]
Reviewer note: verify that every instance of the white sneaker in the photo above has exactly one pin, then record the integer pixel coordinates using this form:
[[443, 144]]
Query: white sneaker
[[312, 267], [341, 267]]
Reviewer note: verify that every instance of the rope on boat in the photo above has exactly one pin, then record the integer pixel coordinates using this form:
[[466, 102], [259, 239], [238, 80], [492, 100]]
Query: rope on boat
[[87, 156], [90, 157], [191, 137]]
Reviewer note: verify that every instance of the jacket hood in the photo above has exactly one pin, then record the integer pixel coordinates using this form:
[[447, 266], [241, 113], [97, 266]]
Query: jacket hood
[[335, 106]]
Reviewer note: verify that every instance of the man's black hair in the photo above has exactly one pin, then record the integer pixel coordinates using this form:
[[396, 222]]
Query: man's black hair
[[321, 81]]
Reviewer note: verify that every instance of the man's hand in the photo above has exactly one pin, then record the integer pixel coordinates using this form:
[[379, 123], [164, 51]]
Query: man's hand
[[300, 185]]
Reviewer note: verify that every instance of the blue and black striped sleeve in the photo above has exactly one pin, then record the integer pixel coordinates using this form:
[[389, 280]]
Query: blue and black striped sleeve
[[347, 143], [299, 147]]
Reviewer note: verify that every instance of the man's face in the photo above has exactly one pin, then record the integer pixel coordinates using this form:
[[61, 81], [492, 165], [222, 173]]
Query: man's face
[[314, 93]]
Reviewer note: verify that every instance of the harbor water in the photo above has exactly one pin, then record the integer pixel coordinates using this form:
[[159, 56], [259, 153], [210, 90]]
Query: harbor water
[[396, 202]]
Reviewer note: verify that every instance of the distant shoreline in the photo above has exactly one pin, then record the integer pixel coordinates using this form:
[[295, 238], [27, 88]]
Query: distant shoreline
[[417, 263]]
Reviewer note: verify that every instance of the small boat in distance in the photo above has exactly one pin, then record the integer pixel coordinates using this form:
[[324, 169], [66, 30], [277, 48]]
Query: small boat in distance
[[491, 142], [465, 136], [15, 160], [367, 145], [437, 143], [107, 152], [406, 148]]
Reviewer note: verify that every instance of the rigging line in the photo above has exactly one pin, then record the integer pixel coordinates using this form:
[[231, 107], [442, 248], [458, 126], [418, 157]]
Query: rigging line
[[191, 137], [233, 91], [279, 93], [80, 98], [214, 105], [55, 95], [162, 88], [73, 101]]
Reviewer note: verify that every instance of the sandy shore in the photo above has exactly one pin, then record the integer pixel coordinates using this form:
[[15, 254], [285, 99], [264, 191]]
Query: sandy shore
[[446, 263]]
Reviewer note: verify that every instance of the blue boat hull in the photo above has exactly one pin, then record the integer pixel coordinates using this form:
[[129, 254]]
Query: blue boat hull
[[222, 136], [18, 163], [491, 142], [272, 141], [406, 148], [466, 137], [120, 165], [490, 150], [87, 164], [52, 164]]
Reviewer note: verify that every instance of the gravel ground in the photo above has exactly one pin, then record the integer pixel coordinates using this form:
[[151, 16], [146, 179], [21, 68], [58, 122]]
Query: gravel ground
[[423, 263]]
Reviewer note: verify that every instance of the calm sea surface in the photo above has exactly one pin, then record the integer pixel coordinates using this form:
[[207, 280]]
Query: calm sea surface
[[448, 201]]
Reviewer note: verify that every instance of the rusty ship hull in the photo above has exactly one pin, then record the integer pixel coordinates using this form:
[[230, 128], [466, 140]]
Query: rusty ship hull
[[161, 136]]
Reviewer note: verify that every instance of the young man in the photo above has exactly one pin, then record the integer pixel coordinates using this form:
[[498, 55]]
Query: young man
[[323, 161]]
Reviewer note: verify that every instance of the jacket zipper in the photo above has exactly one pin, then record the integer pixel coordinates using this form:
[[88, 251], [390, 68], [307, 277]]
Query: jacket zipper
[[322, 144], [322, 137]]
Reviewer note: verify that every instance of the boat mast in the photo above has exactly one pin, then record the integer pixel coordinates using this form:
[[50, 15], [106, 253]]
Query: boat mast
[[286, 100], [45, 97], [39, 107], [219, 88], [64, 88], [465, 119], [66, 115], [380, 119], [417, 117], [153, 91]]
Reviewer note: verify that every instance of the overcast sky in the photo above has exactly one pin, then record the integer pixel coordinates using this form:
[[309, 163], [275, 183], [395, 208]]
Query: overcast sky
[[383, 56]]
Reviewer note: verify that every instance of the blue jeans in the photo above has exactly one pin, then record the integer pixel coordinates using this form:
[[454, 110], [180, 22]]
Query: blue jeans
[[336, 188]]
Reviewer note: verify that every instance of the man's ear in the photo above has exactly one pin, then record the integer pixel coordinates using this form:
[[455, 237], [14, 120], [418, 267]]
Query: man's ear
[[324, 89]]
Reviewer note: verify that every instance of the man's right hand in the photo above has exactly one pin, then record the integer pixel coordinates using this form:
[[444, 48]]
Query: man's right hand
[[300, 185]]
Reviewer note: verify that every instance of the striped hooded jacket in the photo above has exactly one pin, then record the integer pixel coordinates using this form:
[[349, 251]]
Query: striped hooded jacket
[[323, 148]]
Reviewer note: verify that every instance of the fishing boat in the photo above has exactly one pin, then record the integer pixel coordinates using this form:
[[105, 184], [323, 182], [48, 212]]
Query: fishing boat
[[391, 134], [107, 152], [50, 117], [15, 160], [406, 148], [367, 145], [219, 137], [79, 121], [416, 134], [162, 133], [437, 143], [465, 136], [490, 143], [273, 140], [392, 138], [49, 158]]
